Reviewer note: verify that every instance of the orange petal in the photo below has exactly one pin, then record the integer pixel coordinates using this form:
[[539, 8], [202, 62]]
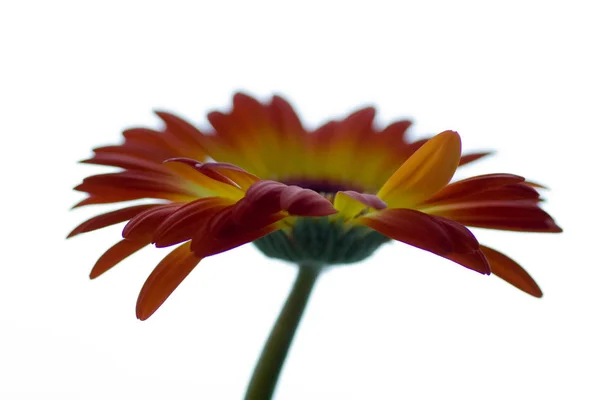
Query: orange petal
[[507, 269], [115, 255], [427, 171], [110, 218], [222, 172], [164, 279]]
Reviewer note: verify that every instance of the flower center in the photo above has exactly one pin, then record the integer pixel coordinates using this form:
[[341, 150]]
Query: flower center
[[323, 185], [321, 242]]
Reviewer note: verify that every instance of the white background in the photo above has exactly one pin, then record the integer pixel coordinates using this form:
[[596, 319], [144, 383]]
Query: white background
[[519, 77]]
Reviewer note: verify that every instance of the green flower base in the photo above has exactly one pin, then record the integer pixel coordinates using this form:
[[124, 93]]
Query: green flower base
[[321, 242]]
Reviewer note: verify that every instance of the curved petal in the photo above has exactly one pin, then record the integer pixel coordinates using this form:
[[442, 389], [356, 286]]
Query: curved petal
[[110, 218], [351, 204], [224, 232], [305, 202], [521, 216], [475, 261], [427, 171], [271, 197], [411, 227], [470, 186], [143, 225], [183, 223], [125, 161], [184, 132], [164, 279], [469, 158], [507, 269], [440, 236], [117, 253], [134, 185], [222, 172]]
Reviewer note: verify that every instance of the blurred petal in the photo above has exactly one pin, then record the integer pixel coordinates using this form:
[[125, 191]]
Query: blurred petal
[[164, 279], [469, 158], [427, 171], [507, 269]]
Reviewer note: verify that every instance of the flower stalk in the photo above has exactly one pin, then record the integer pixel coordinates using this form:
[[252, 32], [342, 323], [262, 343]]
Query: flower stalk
[[267, 370]]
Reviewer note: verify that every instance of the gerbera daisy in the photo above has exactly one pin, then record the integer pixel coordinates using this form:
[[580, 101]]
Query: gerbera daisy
[[315, 198]]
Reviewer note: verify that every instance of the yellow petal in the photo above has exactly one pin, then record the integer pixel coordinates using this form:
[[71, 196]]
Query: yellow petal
[[350, 204], [347, 207], [427, 171]]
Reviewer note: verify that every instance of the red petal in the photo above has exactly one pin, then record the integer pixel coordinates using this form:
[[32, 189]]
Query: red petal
[[507, 269], [115, 255], [134, 185], [155, 144], [305, 202], [411, 227], [182, 224], [369, 200], [508, 215], [182, 130], [445, 238], [110, 218], [143, 226], [265, 196], [164, 279], [469, 158], [285, 118], [224, 233], [126, 161], [475, 261], [470, 186], [462, 239]]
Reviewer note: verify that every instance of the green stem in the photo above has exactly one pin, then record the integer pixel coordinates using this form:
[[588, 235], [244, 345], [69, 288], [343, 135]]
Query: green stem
[[266, 373]]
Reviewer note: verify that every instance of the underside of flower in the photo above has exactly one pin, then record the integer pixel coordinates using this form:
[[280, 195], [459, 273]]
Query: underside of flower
[[318, 197], [321, 242]]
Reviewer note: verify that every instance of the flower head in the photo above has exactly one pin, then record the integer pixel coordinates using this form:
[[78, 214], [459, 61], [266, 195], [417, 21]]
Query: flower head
[[322, 197]]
